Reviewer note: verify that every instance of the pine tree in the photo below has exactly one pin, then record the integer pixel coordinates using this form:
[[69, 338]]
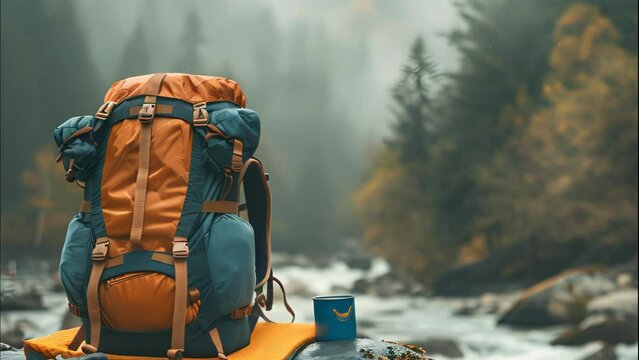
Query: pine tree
[[413, 97], [395, 203]]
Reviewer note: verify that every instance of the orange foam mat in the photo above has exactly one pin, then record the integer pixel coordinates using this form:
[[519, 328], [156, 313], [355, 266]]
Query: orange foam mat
[[271, 341]]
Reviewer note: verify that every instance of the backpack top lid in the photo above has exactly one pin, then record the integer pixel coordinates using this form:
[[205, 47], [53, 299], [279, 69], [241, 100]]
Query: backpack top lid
[[191, 88]]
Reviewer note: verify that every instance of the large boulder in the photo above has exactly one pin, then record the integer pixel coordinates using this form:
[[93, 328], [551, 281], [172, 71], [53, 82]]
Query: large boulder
[[440, 346], [606, 352], [561, 299], [610, 318], [357, 349]]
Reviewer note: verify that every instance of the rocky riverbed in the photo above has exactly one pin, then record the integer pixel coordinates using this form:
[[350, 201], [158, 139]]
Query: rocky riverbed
[[562, 318]]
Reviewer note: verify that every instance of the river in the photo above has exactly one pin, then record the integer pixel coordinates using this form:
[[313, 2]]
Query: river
[[397, 318]]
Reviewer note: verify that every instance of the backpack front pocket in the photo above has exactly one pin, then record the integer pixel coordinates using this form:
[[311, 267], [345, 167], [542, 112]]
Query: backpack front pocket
[[141, 301]]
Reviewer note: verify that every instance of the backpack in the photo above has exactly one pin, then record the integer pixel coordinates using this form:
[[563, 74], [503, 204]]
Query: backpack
[[158, 261]]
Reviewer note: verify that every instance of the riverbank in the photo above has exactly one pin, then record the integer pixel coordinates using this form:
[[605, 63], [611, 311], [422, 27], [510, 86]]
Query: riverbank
[[403, 317]]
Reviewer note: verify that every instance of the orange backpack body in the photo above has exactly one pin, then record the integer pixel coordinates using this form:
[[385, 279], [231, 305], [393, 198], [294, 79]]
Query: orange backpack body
[[158, 262]]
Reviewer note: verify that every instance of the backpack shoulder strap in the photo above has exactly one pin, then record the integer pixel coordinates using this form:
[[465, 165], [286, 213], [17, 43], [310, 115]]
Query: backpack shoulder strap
[[258, 206]]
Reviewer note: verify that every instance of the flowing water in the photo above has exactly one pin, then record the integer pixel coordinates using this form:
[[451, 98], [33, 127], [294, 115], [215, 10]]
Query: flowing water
[[397, 318]]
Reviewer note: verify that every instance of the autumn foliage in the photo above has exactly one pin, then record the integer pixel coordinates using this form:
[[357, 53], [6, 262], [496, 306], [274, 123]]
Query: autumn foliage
[[550, 160]]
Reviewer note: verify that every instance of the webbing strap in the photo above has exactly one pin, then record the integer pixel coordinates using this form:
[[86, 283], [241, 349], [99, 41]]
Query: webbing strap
[[261, 301], [238, 152], [215, 338], [135, 110], [139, 200], [75, 310], [242, 312], [77, 339], [166, 107], [222, 207], [98, 256], [154, 84], [180, 254], [85, 206], [286, 304], [145, 117], [67, 140]]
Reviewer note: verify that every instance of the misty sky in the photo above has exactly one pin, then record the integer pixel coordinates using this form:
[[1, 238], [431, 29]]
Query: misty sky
[[383, 30]]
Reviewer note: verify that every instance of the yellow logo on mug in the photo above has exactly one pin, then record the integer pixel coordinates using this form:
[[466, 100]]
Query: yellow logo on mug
[[345, 315]]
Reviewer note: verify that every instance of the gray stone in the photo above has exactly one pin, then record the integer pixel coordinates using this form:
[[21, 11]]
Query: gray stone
[[606, 352], [610, 318], [357, 349], [562, 299], [9, 353], [388, 284], [440, 346], [486, 304], [620, 304]]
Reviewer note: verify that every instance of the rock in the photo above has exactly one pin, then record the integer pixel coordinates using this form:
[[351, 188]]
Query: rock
[[388, 284], [625, 275], [610, 318], [620, 304], [624, 280], [487, 304], [5, 347], [361, 262], [14, 336], [357, 349], [440, 346], [561, 299], [606, 352], [354, 255], [30, 299], [507, 269], [9, 353]]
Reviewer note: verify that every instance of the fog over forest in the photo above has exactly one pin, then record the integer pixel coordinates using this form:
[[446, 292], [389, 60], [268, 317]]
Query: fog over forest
[[319, 74]]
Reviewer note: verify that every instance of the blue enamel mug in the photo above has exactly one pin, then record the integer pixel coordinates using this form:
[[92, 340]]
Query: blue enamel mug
[[334, 317]]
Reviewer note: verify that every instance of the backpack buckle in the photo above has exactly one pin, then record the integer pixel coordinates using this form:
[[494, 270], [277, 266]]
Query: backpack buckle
[[147, 113], [200, 115], [105, 110], [180, 248], [236, 161], [100, 249]]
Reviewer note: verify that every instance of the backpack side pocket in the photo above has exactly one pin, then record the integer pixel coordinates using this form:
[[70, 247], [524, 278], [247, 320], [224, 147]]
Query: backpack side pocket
[[75, 260], [242, 124], [76, 148], [231, 257]]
